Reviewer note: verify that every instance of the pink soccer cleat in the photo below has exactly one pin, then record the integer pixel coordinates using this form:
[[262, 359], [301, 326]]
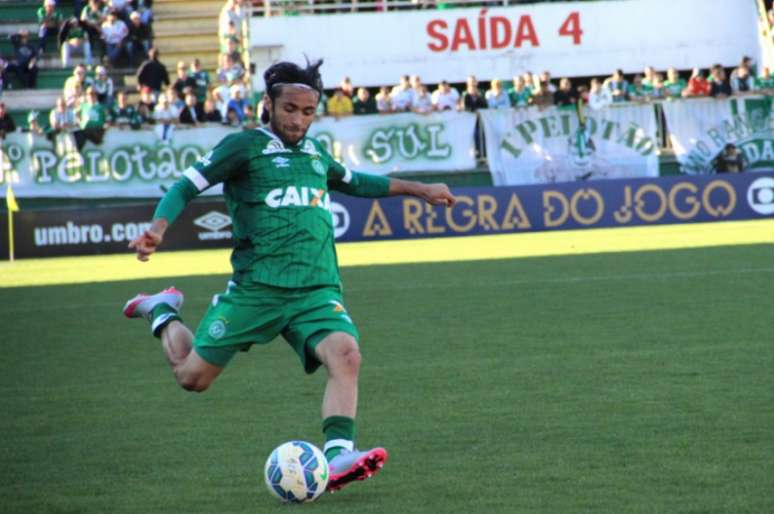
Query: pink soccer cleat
[[349, 466]]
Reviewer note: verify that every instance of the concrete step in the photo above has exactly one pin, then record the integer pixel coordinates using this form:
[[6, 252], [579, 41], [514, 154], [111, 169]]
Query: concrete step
[[190, 25], [179, 10], [42, 100]]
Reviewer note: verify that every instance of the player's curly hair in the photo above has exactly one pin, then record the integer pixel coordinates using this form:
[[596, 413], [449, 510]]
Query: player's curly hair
[[283, 73]]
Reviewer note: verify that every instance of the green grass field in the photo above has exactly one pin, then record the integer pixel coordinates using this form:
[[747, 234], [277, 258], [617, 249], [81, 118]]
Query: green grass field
[[611, 383]]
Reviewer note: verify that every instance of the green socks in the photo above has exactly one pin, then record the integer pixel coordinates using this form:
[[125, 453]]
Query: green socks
[[161, 316], [339, 435]]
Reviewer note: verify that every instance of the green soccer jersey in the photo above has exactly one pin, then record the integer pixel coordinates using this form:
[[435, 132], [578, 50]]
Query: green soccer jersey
[[278, 199]]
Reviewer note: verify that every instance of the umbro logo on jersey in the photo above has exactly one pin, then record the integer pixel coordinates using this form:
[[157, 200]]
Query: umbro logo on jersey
[[275, 146], [281, 162]]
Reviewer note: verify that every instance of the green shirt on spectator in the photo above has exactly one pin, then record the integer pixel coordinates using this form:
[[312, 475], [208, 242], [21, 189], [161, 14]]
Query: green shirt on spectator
[[93, 115], [519, 98], [675, 88], [637, 93], [361, 107], [55, 18]]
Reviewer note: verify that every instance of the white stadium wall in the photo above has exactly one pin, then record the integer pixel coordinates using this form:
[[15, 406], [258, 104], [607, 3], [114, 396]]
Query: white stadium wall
[[568, 39]]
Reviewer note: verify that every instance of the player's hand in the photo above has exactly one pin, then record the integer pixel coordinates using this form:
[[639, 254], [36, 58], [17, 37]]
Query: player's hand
[[438, 194], [146, 243]]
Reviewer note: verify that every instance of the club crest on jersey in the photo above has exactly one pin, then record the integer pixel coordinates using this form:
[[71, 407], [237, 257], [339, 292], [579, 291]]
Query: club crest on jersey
[[303, 196], [318, 167], [275, 146], [309, 148], [281, 162]]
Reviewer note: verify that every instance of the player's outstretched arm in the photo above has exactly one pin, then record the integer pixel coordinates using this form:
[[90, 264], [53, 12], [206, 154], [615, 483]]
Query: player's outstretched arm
[[149, 241], [436, 194]]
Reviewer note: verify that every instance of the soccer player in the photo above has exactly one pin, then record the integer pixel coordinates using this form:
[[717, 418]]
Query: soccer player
[[286, 278]]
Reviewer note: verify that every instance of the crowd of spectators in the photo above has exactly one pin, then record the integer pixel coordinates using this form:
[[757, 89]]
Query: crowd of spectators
[[115, 33], [528, 89]]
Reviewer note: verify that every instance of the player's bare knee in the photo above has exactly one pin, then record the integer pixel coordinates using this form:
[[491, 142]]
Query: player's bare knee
[[346, 354]]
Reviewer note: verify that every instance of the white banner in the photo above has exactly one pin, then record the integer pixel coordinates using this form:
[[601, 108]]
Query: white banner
[[533, 146], [700, 129], [401, 142], [137, 164], [568, 39]]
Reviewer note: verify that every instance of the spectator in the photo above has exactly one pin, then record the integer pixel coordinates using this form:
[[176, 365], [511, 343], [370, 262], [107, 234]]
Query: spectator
[[174, 100], [363, 103], [165, 116], [152, 73], [729, 160], [234, 52], [183, 80], [72, 38], [566, 96], [146, 105], [383, 101], [496, 97], [233, 118], [143, 7], [322, 106], [416, 84], [139, 40], [220, 100], [546, 77], [445, 97], [250, 121], [92, 17], [543, 97], [210, 114], [697, 85], [49, 20], [600, 97], [75, 86], [422, 103], [103, 85], [658, 86], [25, 59], [230, 70], [3, 77], [618, 87], [765, 83], [741, 80], [638, 91], [519, 94], [7, 125], [674, 85], [531, 82], [340, 105], [191, 114], [92, 117], [115, 34], [347, 88], [121, 8], [231, 35], [63, 125], [237, 103], [33, 126], [401, 95], [123, 115], [719, 86], [201, 81], [648, 76], [231, 13], [472, 99]]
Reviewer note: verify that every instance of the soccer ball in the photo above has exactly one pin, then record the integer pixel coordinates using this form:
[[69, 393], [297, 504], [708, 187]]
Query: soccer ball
[[296, 472]]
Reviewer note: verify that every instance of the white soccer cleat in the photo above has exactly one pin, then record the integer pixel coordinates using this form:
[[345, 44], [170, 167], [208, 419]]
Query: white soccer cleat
[[142, 305], [348, 466]]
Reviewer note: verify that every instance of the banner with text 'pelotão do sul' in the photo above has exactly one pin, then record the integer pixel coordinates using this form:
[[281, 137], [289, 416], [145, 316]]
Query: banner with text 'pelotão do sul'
[[701, 129], [544, 146], [138, 164]]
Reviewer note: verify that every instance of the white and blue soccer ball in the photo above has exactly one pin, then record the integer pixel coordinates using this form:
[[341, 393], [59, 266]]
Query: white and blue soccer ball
[[296, 472]]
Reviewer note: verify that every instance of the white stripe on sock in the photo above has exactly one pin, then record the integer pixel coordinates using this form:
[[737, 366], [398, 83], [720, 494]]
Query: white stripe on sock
[[339, 443], [160, 321]]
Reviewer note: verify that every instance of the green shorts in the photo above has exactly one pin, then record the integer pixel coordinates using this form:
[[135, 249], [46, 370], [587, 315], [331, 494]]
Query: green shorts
[[248, 314]]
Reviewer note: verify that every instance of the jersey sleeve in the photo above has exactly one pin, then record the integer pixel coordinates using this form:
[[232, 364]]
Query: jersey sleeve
[[344, 180], [226, 160]]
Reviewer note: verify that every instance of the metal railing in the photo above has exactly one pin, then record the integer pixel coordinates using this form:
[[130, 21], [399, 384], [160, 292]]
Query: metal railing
[[306, 7]]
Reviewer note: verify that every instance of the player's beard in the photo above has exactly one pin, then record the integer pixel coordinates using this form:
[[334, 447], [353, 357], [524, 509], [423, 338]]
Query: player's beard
[[289, 138]]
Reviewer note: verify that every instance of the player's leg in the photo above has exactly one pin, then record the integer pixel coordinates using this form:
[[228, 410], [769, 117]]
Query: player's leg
[[162, 309], [340, 354]]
